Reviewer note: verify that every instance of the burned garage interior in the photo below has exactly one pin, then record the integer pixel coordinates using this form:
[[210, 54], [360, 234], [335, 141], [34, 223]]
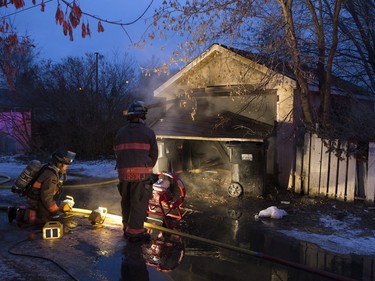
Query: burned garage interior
[[225, 152], [220, 126]]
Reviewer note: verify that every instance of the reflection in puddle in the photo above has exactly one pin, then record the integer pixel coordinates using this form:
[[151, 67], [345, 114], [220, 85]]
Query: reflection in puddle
[[164, 251], [236, 227]]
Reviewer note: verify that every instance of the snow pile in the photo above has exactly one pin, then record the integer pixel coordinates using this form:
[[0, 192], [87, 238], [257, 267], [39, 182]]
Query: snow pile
[[346, 238]]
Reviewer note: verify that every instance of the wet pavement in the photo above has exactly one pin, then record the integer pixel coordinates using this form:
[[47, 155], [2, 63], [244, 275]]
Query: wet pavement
[[218, 239]]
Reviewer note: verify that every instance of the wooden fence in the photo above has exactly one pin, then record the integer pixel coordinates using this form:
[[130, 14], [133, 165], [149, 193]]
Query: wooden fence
[[319, 172]]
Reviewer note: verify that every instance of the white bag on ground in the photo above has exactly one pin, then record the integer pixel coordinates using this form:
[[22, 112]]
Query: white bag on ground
[[272, 212]]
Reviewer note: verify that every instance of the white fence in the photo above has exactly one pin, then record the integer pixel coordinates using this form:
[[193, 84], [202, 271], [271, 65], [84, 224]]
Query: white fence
[[319, 172]]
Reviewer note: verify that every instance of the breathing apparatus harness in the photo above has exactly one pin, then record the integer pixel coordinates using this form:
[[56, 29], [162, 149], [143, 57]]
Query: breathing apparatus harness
[[33, 193], [25, 181]]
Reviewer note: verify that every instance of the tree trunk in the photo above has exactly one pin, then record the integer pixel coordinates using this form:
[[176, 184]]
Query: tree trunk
[[301, 80]]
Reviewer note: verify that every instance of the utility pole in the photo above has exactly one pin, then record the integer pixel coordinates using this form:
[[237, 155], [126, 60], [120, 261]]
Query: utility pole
[[97, 72]]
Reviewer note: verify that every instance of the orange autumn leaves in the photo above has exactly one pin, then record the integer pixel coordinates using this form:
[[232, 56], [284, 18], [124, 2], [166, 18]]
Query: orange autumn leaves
[[13, 45], [73, 20], [69, 20]]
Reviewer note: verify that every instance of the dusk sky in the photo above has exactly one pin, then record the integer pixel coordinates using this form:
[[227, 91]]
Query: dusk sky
[[52, 44]]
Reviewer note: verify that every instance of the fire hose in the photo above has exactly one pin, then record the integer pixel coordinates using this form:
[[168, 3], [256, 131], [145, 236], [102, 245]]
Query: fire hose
[[12, 252], [255, 254], [201, 239], [230, 247], [251, 253], [6, 179]]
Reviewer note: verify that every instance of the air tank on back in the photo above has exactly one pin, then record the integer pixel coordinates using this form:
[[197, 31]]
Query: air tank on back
[[26, 176]]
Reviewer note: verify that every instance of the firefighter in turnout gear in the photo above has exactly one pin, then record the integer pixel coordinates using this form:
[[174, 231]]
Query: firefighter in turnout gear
[[41, 197], [136, 154]]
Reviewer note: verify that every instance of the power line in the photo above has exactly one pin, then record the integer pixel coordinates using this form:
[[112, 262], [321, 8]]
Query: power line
[[92, 16], [88, 14], [25, 9]]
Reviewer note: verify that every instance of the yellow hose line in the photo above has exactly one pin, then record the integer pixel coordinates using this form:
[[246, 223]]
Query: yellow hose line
[[88, 212], [93, 184], [171, 231], [118, 219], [7, 178], [201, 239], [230, 247], [115, 181]]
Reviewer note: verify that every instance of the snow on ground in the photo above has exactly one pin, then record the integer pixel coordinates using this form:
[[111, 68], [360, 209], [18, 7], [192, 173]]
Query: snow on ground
[[99, 168], [347, 239], [11, 167], [342, 242]]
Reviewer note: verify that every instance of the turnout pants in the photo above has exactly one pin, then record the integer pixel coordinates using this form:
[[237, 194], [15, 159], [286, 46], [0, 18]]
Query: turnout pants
[[134, 204], [34, 214]]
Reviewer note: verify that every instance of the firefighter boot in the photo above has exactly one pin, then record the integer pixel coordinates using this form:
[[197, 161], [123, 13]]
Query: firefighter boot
[[20, 216], [12, 213]]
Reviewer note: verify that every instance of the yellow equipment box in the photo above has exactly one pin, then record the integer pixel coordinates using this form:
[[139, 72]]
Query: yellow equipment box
[[53, 230]]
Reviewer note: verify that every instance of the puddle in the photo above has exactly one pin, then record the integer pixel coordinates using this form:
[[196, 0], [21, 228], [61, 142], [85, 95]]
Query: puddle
[[233, 224], [269, 254], [135, 261]]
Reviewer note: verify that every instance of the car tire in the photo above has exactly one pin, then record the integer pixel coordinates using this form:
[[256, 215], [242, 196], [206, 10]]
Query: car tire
[[235, 189]]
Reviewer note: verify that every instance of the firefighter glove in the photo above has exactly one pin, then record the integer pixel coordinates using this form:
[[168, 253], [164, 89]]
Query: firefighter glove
[[65, 207], [58, 215]]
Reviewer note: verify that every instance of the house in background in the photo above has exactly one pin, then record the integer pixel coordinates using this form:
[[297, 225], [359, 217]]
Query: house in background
[[225, 108]]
